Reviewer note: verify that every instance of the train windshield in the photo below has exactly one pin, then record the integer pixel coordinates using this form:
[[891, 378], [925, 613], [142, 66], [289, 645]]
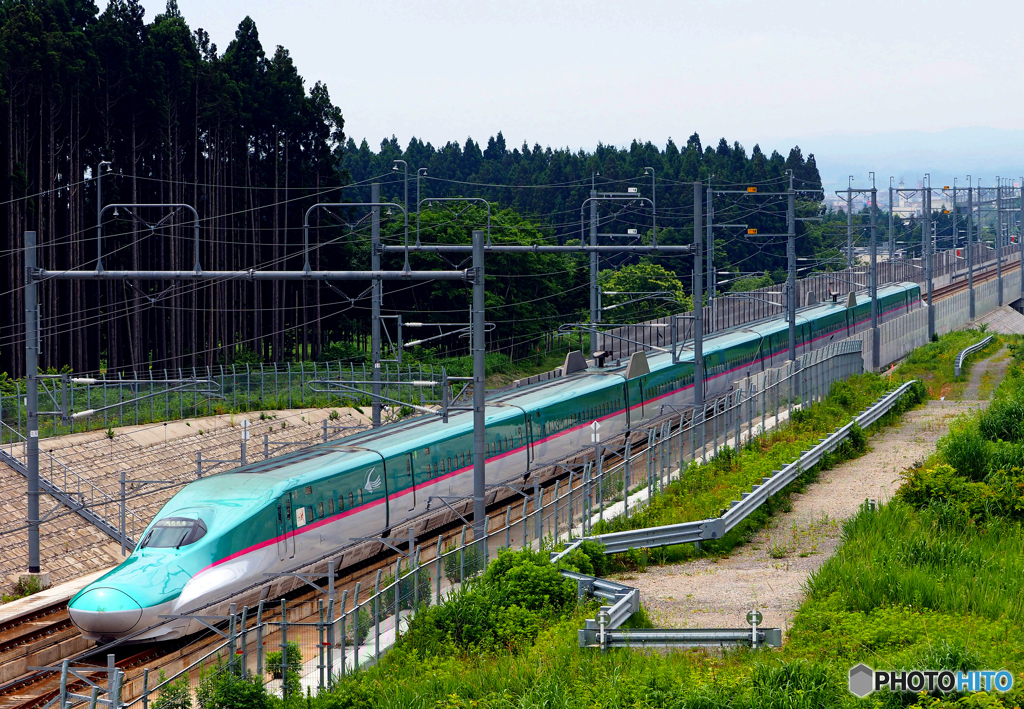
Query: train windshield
[[174, 532]]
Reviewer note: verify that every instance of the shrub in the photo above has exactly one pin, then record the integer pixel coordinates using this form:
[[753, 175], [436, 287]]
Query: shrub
[[406, 596], [461, 565], [965, 449], [292, 681], [1003, 420], [363, 618], [176, 695], [220, 689]]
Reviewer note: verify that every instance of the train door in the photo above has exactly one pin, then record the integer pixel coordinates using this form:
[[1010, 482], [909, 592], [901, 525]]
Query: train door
[[410, 480], [285, 528]]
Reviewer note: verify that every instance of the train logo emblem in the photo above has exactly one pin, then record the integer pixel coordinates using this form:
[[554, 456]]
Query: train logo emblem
[[372, 482]]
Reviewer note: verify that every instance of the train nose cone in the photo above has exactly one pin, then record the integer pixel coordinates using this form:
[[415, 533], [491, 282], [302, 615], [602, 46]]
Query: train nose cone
[[105, 611]]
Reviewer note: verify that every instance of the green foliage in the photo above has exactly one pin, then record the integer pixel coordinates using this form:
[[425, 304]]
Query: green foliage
[[221, 689], [175, 695], [364, 620], [25, 586], [342, 352], [965, 449], [502, 609], [588, 558], [292, 676], [750, 283], [463, 564], [634, 281], [406, 586]]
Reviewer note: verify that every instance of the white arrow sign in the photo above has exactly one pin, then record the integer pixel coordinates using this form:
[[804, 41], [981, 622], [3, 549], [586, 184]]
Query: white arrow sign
[[595, 436], [245, 429]]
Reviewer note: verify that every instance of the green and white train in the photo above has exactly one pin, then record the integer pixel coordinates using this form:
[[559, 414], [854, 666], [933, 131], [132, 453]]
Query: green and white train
[[223, 534]]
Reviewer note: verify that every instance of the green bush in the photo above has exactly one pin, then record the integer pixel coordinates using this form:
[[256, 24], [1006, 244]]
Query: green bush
[[467, 562], [176, 695], [406, 596], [965, 449], [292, 681], [363, 619], [220, 689], [502, 609]]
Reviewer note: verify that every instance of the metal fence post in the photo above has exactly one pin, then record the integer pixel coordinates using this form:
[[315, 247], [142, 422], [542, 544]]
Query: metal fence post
[[231, 637], [342, 635], [376, 617], [259, 639], [284, 650]]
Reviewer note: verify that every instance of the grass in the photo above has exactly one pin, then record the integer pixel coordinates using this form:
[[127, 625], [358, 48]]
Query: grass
[[705, 489], [933, 363], [916, 583]]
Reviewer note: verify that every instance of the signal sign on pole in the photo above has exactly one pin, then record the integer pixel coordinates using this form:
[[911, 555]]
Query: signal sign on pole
[[751, 231], [751, 189]]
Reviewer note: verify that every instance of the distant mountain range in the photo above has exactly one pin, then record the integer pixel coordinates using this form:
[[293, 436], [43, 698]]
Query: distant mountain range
[[978, 151]]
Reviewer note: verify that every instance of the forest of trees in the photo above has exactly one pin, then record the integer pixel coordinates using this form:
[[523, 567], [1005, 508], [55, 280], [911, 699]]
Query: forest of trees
[[237, 134]]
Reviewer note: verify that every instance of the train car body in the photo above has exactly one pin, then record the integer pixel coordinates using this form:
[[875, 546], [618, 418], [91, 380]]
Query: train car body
[[225, 533]]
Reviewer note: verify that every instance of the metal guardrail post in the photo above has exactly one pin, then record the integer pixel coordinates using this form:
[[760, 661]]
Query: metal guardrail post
[[968, 351]]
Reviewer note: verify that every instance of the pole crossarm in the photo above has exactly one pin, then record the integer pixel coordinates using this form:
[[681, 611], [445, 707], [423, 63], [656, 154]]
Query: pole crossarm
[[382, 540], [325, 205], [176, 207], [444, 500], [204, 619], [538, 248], [41, 274]]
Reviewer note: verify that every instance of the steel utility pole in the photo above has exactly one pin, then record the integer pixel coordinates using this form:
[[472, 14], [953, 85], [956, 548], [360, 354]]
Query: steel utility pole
[[970, 244], [892, 223], [378, 287], [876, 345], [32, 403], [791, 253], [479, 393], [926, 204], [999, 236], [595, 309], [711, 253], [849, 224], [698, 302], [1020, 235]]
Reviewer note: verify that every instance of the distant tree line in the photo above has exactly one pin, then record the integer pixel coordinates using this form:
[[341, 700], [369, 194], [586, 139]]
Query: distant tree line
[[238, 135]]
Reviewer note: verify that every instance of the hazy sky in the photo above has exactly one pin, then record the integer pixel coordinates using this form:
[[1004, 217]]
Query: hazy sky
[[569, 73]]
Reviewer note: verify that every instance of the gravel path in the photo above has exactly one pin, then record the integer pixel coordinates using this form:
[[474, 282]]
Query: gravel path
[[771, 570]]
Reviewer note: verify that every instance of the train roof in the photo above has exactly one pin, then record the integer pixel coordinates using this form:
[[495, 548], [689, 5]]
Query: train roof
[[275, 475]]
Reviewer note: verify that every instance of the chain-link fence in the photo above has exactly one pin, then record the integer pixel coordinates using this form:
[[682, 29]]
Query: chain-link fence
[[304, 645]]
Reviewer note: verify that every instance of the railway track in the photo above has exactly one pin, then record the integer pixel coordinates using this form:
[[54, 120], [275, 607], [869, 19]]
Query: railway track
[[40, 634], [36, 639]]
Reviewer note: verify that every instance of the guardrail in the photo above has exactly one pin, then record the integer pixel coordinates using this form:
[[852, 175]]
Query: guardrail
[[603, 631], [708, 529], [967, 352]]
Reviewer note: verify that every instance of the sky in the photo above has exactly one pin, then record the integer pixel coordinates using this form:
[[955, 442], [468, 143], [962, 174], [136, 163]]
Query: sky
[[572, 74]]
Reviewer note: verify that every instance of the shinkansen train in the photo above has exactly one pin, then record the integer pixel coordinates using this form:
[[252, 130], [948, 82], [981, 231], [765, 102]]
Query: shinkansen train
[[221, 535]]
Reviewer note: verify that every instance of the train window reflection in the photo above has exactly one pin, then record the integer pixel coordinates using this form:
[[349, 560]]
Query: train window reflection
[[174, 532]]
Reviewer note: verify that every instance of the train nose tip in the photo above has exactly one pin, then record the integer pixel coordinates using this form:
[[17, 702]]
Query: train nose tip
[[105, 610]]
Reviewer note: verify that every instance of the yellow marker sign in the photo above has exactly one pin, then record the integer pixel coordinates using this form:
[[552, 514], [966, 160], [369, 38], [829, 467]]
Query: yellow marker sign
[[945, 187], [751, 231], [751, 189], [945, 211]]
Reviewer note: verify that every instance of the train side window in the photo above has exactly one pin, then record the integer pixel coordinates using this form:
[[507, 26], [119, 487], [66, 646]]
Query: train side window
[[450, 468], [351, 500], [360, 496], [408, 467], [341, 503], [288, 508], [320, 509], [435, 469], [330, 506]]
